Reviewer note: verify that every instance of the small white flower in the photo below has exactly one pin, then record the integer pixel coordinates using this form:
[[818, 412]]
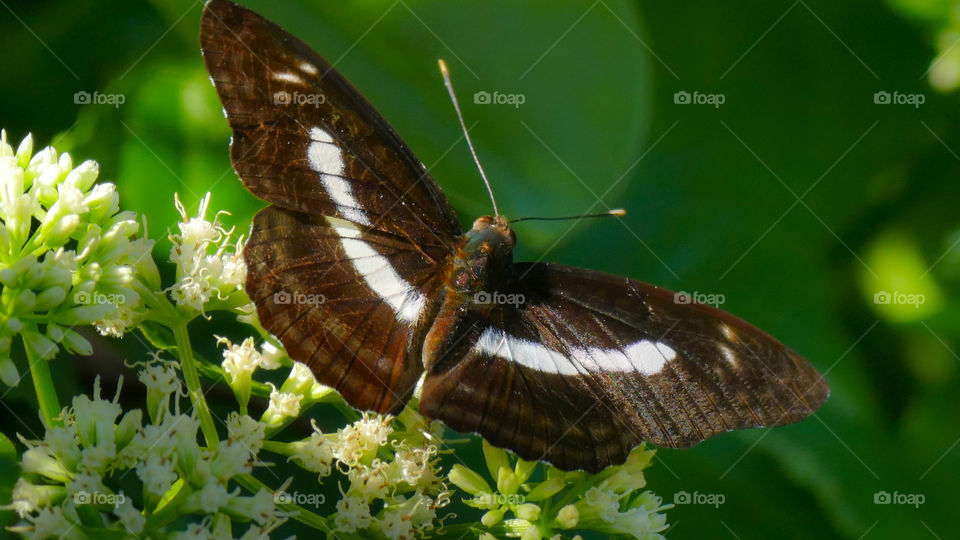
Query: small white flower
[[282, 405], [259, 508], [246, 431], [116, 324], [353, 514], [234, 269], [604, 502], [314, 453], [240, 360], [159, 376], [130, 517], [208, 265], [51, 523], [414, 466], [25, 499], [232, 458], [361, 439], [210, 498], [191, 291], [396, 525], [368, 482], [157, 473], [98, 458]]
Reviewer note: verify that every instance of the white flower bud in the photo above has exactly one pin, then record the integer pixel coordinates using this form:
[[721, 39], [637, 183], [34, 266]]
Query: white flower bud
[[84, 175], [50, 298], [76, 343], [8, 371], [568, 517], [468, 480], [25, 150], [103, 202], [270, 356], [65, 162], [41, 160], [56, 232], [528, 511]]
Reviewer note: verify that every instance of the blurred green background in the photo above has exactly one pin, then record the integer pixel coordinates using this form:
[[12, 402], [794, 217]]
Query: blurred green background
[[801, 199]]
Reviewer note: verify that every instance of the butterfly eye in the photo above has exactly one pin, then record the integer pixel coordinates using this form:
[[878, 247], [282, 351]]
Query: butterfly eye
[[482, 223]]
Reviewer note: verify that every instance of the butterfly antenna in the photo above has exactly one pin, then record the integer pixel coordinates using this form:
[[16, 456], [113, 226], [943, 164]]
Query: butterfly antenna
[[618, 212], [453, 97]]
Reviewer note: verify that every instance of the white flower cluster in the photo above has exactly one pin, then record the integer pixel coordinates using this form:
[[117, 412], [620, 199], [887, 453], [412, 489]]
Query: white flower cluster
[[208, 265], [393, 489], [67, 256], [74, 470]]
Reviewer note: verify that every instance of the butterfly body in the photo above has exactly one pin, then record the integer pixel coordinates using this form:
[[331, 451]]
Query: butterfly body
[[475, 276], [360, 267]]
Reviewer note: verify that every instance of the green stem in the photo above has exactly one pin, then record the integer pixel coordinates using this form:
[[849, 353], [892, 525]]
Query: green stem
[[43, 386], [189, 366]]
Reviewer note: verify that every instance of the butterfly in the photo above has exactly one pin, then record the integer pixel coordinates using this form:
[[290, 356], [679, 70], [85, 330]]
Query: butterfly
[[361, 268]]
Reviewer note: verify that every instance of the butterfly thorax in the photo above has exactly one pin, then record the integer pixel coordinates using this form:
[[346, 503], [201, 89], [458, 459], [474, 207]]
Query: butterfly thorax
[[477, 272]]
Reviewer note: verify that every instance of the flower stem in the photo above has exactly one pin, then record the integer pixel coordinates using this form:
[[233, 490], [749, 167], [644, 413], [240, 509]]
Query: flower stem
[[189, 365], [43, 386]]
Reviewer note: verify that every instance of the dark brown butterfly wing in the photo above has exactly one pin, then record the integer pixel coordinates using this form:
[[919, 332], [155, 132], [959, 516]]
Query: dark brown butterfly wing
[[590, 365], [342, 265], [305, 139], [331, 291]]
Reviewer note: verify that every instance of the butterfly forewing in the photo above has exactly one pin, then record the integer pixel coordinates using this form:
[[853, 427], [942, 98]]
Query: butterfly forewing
[[306, 140], [589, 365]]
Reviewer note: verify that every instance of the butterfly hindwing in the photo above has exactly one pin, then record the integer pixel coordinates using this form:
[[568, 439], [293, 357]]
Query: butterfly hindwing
[[344, 300], [589, 365]]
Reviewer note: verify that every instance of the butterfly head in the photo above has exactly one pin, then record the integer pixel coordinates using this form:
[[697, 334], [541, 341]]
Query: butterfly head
[[490, 237], [485, 255]]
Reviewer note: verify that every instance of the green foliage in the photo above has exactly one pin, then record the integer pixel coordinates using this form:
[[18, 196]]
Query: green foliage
[[705, 214]]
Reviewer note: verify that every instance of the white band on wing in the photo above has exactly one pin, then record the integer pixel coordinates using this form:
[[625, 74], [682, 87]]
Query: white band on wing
[[325, 157], [377, 271], [644, 356]]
